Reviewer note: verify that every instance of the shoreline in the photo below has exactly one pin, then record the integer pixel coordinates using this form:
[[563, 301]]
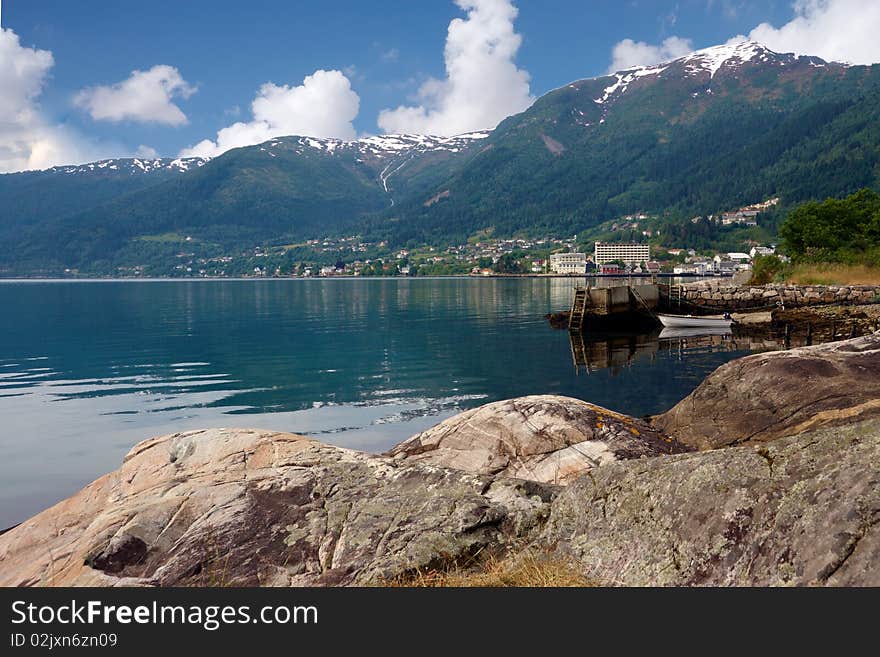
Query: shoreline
[[162, 279]]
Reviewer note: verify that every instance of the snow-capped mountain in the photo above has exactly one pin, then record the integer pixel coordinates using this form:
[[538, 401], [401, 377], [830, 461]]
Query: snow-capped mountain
[[383, 146], [387, 154], [133, 166], [704, 66], [718, 128]]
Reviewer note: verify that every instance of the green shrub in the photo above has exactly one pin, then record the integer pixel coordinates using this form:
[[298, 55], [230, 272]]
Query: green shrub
[[766, 269]]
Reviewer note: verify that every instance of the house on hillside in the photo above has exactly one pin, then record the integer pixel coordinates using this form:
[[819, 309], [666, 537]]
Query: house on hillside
[[762, 251]]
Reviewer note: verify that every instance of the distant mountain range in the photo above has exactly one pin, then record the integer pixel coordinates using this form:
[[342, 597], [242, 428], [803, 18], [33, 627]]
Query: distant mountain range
[[718, 129]]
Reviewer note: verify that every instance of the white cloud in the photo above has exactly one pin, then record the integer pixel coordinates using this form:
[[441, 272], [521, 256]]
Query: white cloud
[[27, 139], [835, 30], [147, 152], [483, 84], [324, 105], [145, 96], [628, 53]]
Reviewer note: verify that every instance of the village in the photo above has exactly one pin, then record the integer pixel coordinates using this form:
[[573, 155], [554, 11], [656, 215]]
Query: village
[[541, 257], [630, 246], [549, 256]]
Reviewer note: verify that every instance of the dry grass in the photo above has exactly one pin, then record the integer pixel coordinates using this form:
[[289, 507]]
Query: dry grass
[[535, 570], [833, 274]]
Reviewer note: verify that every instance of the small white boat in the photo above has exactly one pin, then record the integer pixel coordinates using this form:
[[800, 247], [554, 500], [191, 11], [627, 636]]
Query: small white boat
[[691, 321]]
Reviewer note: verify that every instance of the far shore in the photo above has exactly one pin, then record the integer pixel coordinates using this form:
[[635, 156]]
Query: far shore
[[157, 279]]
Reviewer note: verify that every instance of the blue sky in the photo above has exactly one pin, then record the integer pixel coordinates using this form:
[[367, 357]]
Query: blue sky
[[221, 52]]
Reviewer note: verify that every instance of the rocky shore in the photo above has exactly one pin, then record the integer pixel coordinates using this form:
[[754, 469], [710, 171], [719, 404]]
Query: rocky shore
[[767, 474]]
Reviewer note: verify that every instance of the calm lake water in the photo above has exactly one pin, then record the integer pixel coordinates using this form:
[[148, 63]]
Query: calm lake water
[[88, 369]]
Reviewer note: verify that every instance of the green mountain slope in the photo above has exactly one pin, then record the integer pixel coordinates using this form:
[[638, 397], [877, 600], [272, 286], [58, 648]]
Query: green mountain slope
[[722, 128], [33, 196], [284, 190]]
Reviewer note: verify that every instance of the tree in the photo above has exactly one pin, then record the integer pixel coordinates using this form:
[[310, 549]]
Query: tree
[[508, 264], [834, 229]]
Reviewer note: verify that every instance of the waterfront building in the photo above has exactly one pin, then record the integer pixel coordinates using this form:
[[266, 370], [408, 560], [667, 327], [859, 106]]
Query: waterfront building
[[739, 257], [568, 263], [702, 267], [629, 253]]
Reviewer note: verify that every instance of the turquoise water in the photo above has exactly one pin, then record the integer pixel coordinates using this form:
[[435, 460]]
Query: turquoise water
[[88, 369]]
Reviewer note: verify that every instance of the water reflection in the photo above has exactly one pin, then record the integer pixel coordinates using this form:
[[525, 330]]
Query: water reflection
[[89, 369], [591, 352]]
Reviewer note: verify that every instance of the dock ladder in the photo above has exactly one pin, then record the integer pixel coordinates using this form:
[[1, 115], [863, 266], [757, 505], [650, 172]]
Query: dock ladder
[[578, 309]]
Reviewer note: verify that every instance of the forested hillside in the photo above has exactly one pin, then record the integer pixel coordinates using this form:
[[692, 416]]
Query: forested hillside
[[682, 139]]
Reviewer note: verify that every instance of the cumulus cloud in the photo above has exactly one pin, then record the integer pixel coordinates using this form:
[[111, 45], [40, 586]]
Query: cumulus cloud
[[835, 30], [324, 105], [483, 85], [628, 53], [147, 152], [145, 96], [27, 139]]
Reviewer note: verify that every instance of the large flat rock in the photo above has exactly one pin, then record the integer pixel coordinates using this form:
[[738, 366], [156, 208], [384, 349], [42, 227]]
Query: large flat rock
[[804, 510], [542, 438], [766, 396], [237, 507]]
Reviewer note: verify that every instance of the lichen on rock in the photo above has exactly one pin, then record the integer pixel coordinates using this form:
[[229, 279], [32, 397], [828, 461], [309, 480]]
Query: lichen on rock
[[239, 507], [544, 438], [766, 396]]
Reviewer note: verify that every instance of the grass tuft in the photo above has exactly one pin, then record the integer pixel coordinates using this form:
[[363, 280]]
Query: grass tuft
[[534, 570], [834, 274]]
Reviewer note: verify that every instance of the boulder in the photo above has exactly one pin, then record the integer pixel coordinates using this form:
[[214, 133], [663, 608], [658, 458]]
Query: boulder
[[804, 510], [241, 508], [542, 438], [766, 396]]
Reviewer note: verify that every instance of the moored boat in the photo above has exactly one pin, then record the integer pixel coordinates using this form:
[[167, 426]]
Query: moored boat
[[691, 321]]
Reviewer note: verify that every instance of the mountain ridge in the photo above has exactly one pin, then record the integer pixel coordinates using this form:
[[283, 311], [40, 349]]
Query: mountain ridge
[[716, 129], [616, 136]]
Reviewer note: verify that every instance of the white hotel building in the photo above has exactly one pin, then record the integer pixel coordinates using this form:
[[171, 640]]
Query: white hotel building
[[627, 253], [568, 263]]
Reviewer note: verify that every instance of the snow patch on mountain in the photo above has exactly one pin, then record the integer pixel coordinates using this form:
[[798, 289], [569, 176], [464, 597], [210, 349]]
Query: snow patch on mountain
[[134, 166], [713, 59], [625, 78], [381, 146]]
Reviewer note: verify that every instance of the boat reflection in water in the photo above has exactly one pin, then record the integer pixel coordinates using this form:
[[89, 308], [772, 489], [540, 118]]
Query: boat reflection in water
[[682, 333], [615, 351]]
